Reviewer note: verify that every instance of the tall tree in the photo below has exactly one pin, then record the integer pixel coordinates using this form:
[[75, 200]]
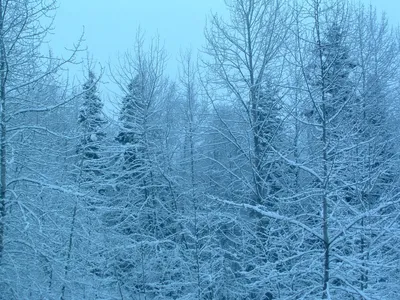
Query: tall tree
[[375, 156], [334, 151], [146, 220], [244, 61], [24, 73], [91, 119], [244, 53], [92, 122]]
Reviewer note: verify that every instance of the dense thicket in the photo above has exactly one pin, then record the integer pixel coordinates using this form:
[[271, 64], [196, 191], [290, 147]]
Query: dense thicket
[[268, 170]]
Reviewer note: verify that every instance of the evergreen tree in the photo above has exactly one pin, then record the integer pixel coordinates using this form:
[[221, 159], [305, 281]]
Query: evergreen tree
[[330, 75], [131, 135], [91, 179], [267, 135], [92, 124], [145, 206]]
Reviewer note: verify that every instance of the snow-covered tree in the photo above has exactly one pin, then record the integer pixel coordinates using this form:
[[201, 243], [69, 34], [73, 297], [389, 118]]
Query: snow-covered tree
[[91, 120], [133, 117], [243, 66], [29, 91], [333, 153], [144, 207]]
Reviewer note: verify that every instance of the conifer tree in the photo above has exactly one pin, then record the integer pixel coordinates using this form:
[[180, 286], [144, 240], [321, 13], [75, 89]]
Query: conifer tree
[[92, 122], [131, 135]]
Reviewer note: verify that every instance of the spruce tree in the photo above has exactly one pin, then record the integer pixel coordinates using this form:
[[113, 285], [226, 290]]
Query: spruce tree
[[92, 124], [131, 135], [267, 134]]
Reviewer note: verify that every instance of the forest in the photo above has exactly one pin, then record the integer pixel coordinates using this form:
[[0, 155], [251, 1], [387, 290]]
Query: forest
[[268, 169]]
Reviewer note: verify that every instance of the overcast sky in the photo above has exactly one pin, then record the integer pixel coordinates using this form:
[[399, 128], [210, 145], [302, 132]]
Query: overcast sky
[[110, 26]]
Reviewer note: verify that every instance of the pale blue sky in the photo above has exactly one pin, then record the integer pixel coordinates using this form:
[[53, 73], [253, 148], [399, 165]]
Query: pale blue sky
[[110, 26], [392, 8]]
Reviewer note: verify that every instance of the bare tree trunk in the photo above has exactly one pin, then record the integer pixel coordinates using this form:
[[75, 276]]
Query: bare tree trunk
[[3, 76], [71, 235], [325, 145]]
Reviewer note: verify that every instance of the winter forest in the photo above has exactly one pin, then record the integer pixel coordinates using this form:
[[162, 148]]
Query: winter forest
[[268, 169]]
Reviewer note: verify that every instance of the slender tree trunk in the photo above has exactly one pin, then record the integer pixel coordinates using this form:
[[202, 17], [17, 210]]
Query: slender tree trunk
[[325, 232], [71, 235], [144, 281], [193, 192], [3, 76], [325, 145]]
